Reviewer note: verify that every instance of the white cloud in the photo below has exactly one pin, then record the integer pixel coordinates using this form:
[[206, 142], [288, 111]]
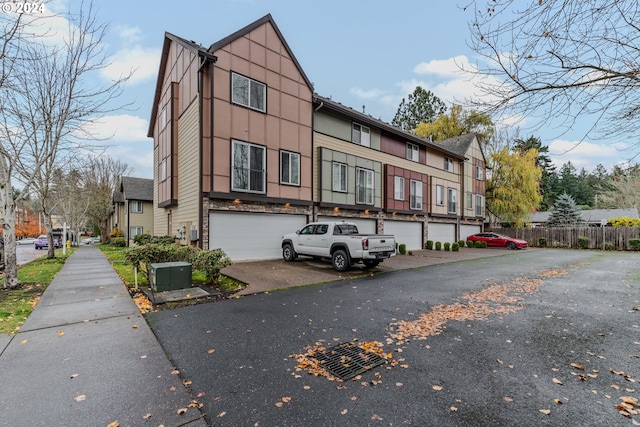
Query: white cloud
[[142, 62], [366, 94], [457, 65], [120, 128], [129, 33]]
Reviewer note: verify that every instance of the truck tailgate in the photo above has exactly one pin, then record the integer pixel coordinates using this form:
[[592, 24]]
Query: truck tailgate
[[381, 243]]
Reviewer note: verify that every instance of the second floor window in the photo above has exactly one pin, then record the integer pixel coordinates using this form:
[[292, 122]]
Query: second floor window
[[248, 167], [413, 152], [479, 211], [452, 201], [289, 168], [416, 194], [135, 206], [479, 174], [339, 177], [364, 186], [163, 170], [439, 195], [361, 135], [398, 188], [448, 164], [248, 92], [469, 201]]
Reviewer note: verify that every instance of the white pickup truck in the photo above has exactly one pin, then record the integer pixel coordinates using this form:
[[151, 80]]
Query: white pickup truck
[[339, 241]]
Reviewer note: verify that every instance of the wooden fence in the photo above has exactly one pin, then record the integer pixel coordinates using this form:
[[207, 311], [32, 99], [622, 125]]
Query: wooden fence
[[609, 238]]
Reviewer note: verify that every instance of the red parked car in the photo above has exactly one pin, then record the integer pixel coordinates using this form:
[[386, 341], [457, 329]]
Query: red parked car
[[495, 239]]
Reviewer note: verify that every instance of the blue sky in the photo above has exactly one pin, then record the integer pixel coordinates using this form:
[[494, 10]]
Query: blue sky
[[367, 52]]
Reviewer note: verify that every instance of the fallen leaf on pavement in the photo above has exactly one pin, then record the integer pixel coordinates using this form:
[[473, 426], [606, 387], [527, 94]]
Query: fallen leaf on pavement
[[558, 401], [545, 411], [557, 381], [507, 399], [80, 398], [211, 350], [114, 424], [222, 414], [23, 341], [437, 388], [575, 365], [182, 411], [135, 326], [344, 411], [60, 333], [146, 417], [453, 409]]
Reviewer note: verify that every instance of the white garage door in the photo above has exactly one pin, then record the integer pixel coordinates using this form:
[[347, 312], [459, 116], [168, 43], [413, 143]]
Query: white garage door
[[245, 236], [442, 233], [365, 226], [407, 232], [468, 230]]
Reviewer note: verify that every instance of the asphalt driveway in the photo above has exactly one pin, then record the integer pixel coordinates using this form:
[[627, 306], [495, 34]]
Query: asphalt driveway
[[560, 349]]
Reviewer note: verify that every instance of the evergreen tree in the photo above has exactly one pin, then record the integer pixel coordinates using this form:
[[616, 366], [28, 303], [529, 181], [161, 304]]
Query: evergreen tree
[[565, 213], [422, 106]]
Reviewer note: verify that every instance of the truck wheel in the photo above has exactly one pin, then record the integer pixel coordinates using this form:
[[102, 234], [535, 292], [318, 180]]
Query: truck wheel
[[288, 254], [340, 260], [371, 263]]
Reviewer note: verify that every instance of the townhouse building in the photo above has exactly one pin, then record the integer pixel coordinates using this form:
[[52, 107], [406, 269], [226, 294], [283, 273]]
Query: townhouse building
[[244, 151], [133, 207]]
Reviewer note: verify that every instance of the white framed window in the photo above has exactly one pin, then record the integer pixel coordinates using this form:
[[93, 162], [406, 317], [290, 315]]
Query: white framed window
[[415, 193], [163, 169], [413, 152], [361, 135], [135, 206], [248, 163], [452, 201], [134, 231], [339, 171], [439, 195], [479, 209], [364, 186], [469, 206], [479, 174], [248, 92], [289, 168], [448, 164], [398, 188]]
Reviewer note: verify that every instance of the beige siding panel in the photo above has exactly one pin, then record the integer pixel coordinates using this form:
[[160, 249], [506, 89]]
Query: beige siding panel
[[188, 170], [158, 213]]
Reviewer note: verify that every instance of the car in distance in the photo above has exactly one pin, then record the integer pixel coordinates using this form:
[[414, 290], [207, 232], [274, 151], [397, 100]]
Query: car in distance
[[26, 241], [42, 242], [498, 240]]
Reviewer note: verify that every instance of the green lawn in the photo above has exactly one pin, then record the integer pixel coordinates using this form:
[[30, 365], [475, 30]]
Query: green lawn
[[17, 304]]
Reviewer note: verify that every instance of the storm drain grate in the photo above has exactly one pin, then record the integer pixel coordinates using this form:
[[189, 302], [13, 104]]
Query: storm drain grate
[[347, 360]]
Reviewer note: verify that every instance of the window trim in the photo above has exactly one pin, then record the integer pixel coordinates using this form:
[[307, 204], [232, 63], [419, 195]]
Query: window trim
[[135, 227], [452, 200], [469, 206], [479, 174], [236, 101], [360, 133], [133, 203], [370, 173], [345, 169], [290, 154], [410, 150], [396, 179], [479, 207], [448, 165], [263, 172], [163, 170], [417, 185], [439, 195]]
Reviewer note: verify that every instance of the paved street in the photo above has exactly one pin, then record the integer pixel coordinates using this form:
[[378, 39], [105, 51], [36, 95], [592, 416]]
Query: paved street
[[513, 367]]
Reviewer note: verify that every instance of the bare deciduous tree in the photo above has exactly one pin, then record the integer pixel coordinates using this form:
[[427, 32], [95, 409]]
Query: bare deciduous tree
[[559, 60]]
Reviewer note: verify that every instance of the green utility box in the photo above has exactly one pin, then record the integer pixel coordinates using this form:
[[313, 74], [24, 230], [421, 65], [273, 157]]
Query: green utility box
[[169, 276]]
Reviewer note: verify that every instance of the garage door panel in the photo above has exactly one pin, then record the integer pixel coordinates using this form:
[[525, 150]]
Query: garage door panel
[[468, 230], [365, 225], [251, 236], [442, 232], [407, 232]]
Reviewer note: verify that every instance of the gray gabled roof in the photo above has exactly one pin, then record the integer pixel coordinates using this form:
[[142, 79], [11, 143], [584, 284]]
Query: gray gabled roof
[[137, 188], [458, 144], [592, 216]]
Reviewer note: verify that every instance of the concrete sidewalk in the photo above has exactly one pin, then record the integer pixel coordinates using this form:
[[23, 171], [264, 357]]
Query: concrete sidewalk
[[86, 357]]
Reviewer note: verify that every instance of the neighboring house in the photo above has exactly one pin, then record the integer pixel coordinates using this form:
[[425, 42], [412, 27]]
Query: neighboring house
[[133, 207], [591, 217], [245, 152]]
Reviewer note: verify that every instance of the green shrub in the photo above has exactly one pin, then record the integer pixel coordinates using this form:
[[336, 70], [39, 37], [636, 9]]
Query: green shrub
[[438, 246], [402, 248], [456, 246], [447, 246], [119, 242], [542, 242], [634, 244], [460, 244], [477, 244], [211, 262], [583, 242], [410, 253], [470, 244], [429, 245], [142, 239], [624, 221], [608, 246]]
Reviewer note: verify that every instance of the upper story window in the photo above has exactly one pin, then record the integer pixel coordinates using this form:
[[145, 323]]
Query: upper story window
[[415, 189], [469, 201], [361, 135], [339, 177], [163, 170], [439, 195], [398, 188], [289, 168], [248, 163], [448, 164], [248, 92], [413, 152], [479, 205], [452, 201], [163, 118], [364, 186], [479, 174], [135, 206]]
